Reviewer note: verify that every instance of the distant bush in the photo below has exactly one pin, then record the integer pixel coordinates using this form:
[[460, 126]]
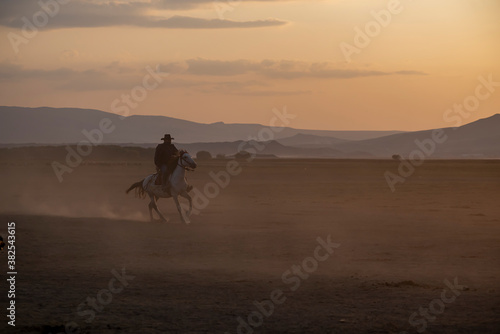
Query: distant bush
[[203, 155], [242, 155], [396, 157]]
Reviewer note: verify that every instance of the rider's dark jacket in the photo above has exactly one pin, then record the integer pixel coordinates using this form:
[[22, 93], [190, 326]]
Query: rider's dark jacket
[[163, 153]]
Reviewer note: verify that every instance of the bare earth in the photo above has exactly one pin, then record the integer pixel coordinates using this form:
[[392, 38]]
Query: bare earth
[[396, 250]]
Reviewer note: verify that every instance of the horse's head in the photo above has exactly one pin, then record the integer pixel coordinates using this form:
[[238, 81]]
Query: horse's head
[[186, 161]]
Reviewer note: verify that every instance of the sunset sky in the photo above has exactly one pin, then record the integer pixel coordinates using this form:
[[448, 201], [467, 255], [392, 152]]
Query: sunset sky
[[234, 61]]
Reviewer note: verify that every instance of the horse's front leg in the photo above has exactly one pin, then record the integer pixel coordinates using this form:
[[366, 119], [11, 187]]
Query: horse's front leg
[[179, 208], [188, 197]]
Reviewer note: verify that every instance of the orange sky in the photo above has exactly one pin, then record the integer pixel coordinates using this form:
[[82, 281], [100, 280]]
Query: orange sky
[[234, 61]]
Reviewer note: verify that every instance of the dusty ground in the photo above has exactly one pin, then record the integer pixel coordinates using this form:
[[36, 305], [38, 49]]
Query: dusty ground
[[396, 249]]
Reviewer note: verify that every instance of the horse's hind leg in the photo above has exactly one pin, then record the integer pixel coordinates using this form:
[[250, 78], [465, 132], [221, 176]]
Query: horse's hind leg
[[155, 207], [151, 205]]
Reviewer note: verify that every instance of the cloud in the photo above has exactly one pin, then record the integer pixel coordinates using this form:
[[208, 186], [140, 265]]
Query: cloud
[[410, 73], [114, 76], [108, 77], [249, 78], [200, 66], [68, 55], [273, 93], [81, 14], [281, 69], [184, 22], [13, 72]]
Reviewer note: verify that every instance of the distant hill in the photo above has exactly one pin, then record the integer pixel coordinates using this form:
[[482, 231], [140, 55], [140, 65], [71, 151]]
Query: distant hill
[[45, 125], [477, 139], [310, 141]]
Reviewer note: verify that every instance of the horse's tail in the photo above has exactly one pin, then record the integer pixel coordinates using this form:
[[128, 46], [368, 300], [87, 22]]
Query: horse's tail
[[139, 189]]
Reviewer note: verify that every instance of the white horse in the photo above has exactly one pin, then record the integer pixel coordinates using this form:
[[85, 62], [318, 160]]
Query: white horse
[[179, 187]]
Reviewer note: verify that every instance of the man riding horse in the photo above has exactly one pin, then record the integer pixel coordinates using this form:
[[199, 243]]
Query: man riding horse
[[163, 155]]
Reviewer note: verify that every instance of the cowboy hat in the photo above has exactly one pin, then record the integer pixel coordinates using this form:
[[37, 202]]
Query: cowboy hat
[[167, 137]]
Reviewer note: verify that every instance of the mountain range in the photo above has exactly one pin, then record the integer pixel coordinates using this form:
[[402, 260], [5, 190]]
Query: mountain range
[[59, 126], [45, 125]]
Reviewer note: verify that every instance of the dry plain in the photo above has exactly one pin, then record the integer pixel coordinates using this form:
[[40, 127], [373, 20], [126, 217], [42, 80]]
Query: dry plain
[[396, 249]]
